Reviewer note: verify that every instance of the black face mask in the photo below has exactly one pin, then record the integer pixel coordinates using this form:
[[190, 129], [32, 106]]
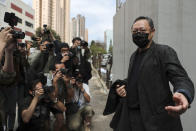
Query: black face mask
[[140, 39]]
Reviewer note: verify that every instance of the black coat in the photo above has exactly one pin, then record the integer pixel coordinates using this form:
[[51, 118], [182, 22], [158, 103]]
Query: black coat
[[159, 66]]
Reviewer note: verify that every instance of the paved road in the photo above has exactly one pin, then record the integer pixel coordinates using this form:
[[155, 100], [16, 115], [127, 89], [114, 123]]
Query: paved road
[[98, 100]]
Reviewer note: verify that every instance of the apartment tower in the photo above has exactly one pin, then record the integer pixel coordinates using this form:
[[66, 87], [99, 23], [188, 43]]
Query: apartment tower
[[54, 13], [78, 28]]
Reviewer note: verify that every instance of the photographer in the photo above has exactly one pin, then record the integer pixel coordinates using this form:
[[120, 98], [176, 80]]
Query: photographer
[[81, 55], [75, 49], [65, 56], [21, 66], [63, 89], [82, 117], [37, 106], [44, 58], [7, 45], [80, 49], [48, 49], [7, 73], [85, 51]]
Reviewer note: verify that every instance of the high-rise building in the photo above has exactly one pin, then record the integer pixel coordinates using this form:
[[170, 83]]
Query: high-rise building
[[86, 35], [74, 27], [108, 39], [55, 14], [24, 13], [78, 28], [81, 23]]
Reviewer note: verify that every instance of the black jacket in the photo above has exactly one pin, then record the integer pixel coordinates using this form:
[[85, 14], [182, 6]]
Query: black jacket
[[159, 66]]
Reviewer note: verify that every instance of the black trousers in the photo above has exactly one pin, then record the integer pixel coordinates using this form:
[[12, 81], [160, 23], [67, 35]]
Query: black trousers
[[135, 119]]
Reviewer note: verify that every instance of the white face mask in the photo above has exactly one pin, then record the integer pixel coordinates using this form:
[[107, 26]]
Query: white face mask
[[83, 50]]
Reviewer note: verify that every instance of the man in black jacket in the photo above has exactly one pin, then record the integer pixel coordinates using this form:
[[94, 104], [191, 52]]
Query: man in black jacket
[[146, 98]]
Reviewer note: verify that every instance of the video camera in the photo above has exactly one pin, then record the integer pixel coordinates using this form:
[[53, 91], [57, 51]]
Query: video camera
[[46, 31], [12, 20]]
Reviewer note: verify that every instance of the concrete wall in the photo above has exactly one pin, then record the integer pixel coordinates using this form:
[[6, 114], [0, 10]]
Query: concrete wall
[[175, 26]]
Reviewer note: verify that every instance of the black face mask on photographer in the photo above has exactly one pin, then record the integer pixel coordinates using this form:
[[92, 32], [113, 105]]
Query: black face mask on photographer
[[140, 39]]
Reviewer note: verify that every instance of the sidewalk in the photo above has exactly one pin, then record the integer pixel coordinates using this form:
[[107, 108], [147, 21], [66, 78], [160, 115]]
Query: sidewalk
[[98, 101]]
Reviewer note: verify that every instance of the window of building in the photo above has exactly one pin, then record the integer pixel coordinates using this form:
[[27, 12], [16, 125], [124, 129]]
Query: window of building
[[19, 20], [28, 24]]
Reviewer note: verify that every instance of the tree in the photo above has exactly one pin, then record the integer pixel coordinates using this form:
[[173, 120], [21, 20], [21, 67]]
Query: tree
[[39, 34], [97, 48]]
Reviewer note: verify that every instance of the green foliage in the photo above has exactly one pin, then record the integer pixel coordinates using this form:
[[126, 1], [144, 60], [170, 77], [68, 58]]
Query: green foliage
[[56, 36], [39, 34], [97, 48]]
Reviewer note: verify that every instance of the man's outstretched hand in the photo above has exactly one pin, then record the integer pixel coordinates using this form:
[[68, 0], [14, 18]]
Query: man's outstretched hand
[[181, 105]]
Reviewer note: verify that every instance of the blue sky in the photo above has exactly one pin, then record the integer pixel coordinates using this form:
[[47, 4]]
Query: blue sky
[[98, 13]]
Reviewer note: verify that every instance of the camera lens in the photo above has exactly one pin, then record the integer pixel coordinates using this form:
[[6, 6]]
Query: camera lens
[[18, 35]]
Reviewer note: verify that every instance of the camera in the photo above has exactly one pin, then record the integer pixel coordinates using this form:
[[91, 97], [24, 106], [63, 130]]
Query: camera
[[70, 55], [64, 71], [22, 45], [67, 72], [12, 20], [46, 31], [84, 43], [48, 89], [79, 79], [49, 46], [76, 73]]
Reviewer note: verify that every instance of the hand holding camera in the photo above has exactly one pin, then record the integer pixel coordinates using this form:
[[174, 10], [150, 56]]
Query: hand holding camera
[[57, 76], [73, 81], [65, 58], [79, 84], [38, 92], [29, 44], [5, 37]]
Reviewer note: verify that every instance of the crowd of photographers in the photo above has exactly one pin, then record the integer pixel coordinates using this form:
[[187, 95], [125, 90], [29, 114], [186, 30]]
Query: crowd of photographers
[[52, 80]]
